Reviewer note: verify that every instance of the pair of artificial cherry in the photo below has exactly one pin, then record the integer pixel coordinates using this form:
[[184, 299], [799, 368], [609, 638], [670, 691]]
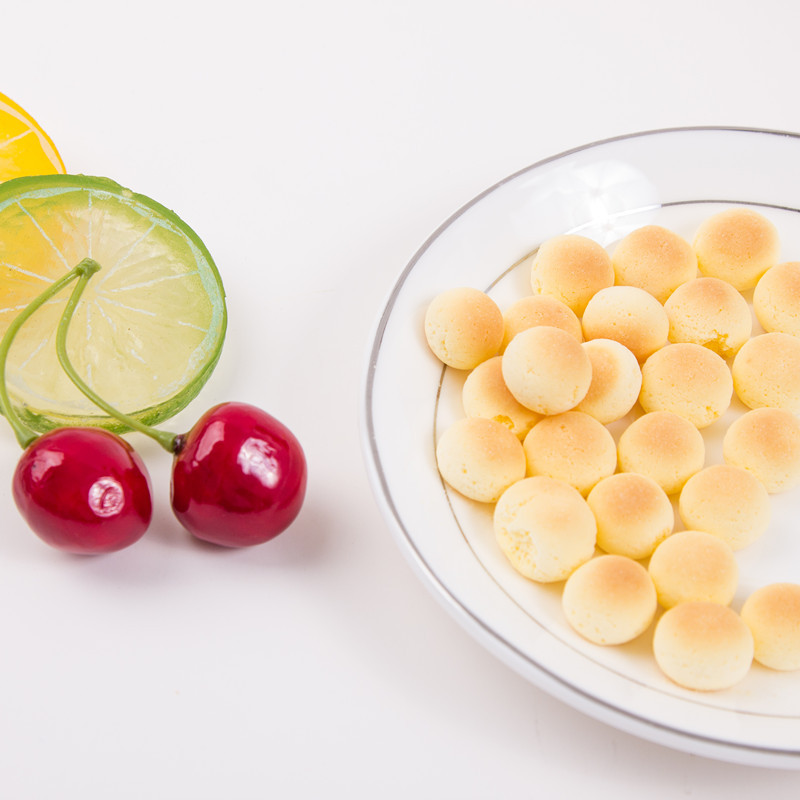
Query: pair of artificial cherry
[[238, 476], [238, 479]]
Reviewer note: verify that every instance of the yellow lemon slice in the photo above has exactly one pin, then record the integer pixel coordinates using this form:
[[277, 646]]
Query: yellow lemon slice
[[25, 149], [151, 323]]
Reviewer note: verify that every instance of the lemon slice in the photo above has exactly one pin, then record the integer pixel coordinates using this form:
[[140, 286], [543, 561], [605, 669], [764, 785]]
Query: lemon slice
[[151, 323], [25, 149]]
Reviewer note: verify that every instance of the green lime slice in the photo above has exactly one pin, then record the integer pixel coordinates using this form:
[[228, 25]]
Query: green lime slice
[[151, 324]]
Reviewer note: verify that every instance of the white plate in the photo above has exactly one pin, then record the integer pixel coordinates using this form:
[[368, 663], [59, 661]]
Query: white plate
[[675, 178]]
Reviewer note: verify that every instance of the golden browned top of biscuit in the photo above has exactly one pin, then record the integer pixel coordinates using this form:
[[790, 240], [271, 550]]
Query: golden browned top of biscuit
[[736, 233], [655, 259], [698, 627], [738, 245], [629, 496]]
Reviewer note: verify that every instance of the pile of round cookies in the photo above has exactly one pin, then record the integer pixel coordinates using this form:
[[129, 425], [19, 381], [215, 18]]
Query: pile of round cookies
[[656, 336]]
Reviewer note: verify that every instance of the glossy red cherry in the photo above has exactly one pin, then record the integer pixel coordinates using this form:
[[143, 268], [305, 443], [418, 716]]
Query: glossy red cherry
[[83, 490], [239, 476]]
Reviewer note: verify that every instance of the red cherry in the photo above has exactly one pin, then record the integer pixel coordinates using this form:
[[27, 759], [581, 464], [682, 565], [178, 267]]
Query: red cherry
[[239, 477], [83, 490]]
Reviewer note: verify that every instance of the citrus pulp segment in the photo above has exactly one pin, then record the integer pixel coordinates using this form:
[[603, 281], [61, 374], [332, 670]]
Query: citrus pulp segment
[[150, 325], [25, 149]]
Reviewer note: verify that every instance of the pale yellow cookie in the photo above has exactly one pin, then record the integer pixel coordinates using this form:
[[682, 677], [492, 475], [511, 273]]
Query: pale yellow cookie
[[545, 528], [664, 446], [633, 513], [773, 615], [654, 259], [547, 370], [616, 381], [609, 600], [776, 299], [689, 380], [539, 309], [729, 502], [737, 245], [628, 315], [480, 458], [485, 394], [572, 269], [766, 372], [694, 565], [572, 447], [710, 312], [703, 646], [766, 442], [463, 327]]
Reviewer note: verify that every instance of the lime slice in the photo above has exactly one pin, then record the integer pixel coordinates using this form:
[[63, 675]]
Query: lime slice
[[150, 327], [25, 149]]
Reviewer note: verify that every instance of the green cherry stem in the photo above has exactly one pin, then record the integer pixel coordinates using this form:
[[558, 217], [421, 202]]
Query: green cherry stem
[[23, 433], [169, 441]]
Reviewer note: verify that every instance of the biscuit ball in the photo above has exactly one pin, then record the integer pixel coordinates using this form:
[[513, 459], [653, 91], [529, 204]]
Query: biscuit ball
[[572, 269], [710, 312], [547, 370], [628, 315], [689, 380], [776, 299], [485, 394], [616, 381], [539, 309], [766, 372], [609, 600], [773, 615], [463, 327], [703, 646], [729, 502], [664, 446], [545, 528], [480, 458], [694, 565], [654, 259], [572, 447], [737, 245], [766, 442], [633, 514]]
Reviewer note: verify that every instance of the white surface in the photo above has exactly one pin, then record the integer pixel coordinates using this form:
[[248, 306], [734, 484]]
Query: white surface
[[315, 148], [605, 191]]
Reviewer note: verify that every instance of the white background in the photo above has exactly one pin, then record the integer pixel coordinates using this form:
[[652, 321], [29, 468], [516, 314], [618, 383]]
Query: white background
[[314, 147]]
